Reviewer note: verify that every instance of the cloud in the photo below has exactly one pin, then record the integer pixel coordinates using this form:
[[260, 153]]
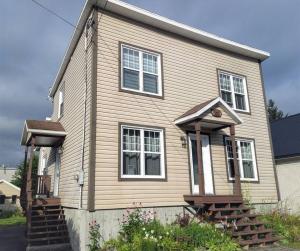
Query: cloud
[[33, 43]]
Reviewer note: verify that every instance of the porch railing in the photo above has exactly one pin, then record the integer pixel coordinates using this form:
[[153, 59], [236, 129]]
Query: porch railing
[[43, 185]]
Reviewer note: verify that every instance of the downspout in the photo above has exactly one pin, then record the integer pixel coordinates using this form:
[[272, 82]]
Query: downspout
[[81, 173]]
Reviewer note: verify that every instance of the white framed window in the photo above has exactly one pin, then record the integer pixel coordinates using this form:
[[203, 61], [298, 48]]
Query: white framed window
[[140, 71], [245, 157], [142, 152], [233, 90], [61, 103]]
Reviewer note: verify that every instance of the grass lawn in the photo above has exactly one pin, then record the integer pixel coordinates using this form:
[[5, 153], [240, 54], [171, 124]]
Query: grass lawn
[[12, 221]]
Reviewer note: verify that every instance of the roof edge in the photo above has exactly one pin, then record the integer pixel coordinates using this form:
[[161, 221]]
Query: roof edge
[[155, 20]]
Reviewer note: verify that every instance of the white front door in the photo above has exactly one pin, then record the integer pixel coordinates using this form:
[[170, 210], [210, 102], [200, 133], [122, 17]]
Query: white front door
[[56, 174], [207, 169]]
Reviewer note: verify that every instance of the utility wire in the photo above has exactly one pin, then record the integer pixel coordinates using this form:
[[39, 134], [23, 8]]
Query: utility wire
[[54, 13]]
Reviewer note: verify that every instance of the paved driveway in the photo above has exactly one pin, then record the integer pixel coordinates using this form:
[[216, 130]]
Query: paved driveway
[[12, 238]]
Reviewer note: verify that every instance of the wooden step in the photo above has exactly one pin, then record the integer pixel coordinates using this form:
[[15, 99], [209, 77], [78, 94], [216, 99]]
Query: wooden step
[[46, 216], [46, 201], [59, 227], [224, 209], [52, 222], [258, 241], [236, 216], [252, 232], [61, 231], [49, 239], [46, 206]]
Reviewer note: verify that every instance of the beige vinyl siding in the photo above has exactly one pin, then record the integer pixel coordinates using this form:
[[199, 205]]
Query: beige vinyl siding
[[189, 78], [288, 172], [74, 81]]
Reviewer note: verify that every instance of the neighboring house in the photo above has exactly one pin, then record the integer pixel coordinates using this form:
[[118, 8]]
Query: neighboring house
[[138, 102], [8, 189], [6, 172], [9, 196], [286, 145]]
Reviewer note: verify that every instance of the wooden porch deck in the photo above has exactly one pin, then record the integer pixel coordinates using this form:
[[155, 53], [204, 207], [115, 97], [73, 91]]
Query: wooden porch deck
[[209, 199]]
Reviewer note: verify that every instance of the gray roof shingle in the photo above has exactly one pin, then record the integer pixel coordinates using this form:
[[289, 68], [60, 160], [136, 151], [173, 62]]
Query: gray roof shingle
[[286, 136]]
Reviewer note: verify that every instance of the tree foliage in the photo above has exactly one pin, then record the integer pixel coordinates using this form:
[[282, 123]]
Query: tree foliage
[[19, 178], [274, 112]]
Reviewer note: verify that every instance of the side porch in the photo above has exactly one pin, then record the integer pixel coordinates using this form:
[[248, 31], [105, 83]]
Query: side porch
[[45, 220]]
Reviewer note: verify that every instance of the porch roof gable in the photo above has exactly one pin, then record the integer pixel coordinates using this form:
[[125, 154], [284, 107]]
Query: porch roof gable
[[48, 133], [200, 110]]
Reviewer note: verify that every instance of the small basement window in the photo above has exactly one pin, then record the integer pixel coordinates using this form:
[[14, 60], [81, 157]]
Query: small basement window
[[141, 71], [142, 152], [246, 159]]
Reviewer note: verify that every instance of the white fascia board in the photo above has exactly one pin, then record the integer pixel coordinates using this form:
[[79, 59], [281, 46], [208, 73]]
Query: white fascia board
[[47, 132], [206, 108], [154, 20]]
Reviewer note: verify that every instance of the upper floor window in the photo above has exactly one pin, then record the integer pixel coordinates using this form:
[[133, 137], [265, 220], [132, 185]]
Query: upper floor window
[[142, 151], [61, 102], [141, 71], [245, 157], [234, 91]]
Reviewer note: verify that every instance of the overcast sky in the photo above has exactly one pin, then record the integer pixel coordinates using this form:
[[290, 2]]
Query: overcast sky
[[33, 42]]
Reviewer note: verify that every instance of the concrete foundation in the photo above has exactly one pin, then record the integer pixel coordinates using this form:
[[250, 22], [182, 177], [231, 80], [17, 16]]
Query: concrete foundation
[[109, 220]]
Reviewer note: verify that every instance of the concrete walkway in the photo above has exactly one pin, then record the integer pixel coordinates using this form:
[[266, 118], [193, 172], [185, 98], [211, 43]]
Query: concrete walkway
[[12, 238]]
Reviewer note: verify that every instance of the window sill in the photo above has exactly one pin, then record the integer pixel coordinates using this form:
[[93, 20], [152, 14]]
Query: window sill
[[146, 94], [241, 111], [124, 178], [245, 181]]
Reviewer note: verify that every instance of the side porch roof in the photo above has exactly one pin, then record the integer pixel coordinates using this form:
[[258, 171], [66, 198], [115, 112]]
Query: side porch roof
[[46, 133]]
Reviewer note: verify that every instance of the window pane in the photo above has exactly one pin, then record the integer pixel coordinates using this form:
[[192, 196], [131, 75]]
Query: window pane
[[131, 79], [150, 63], [131, 140], [226, 96], [152, 141], [150, 83], [246, 150], [131, 59], [152, 164], [238, 85], [248, 169], [240, 102], [131, 163], [225, 82]]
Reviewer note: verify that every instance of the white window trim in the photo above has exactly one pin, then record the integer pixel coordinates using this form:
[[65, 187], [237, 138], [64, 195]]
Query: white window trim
[[141, 71], [231, 75], [240, 160], [60, 101], [142, 152]]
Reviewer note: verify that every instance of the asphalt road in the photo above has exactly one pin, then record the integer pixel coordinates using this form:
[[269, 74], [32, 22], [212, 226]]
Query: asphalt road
[[12, 238]]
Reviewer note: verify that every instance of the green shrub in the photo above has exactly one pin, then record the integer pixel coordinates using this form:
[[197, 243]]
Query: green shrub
[[286, 225], [95, 236], [141, 231]]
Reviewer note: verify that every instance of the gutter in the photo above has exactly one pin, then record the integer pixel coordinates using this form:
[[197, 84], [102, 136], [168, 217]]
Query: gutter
[[147, 17]]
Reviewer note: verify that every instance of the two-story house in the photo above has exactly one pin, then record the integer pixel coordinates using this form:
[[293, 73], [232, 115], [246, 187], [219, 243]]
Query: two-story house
[[149, 110]]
